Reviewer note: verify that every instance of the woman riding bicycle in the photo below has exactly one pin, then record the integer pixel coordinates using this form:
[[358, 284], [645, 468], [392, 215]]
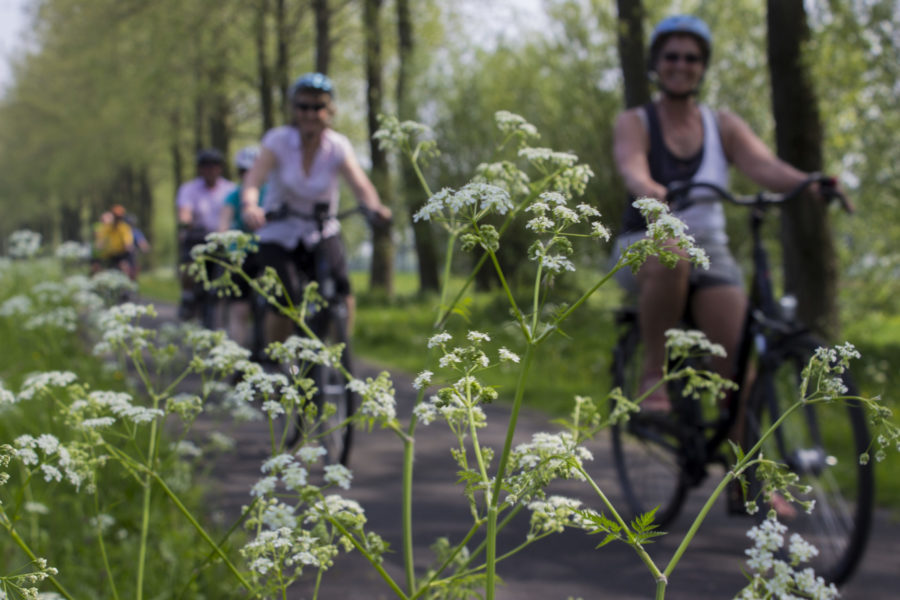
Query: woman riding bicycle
[[302, 162], [672, 139]]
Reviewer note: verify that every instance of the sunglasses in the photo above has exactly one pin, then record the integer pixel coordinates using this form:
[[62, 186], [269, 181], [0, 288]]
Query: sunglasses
[[674, 57], [304, 106]]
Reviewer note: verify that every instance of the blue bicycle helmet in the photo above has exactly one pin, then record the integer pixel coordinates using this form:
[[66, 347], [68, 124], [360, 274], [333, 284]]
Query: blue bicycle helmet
[[685, 24], [313, 82]]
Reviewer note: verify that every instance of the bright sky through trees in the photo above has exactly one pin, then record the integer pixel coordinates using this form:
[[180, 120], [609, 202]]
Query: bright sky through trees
[[12, 22]]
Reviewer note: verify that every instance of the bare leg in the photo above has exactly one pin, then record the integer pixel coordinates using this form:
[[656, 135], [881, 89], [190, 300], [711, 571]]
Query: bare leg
[[719, 313], [662, 298], [351, 313], [238, 322]]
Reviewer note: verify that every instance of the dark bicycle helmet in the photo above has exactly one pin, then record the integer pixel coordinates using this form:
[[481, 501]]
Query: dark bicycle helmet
[[313, 82], [684, 24], [209, 156]]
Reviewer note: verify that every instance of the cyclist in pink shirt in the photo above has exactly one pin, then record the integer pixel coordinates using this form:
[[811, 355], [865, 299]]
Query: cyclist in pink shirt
[[199, 202], [302, 163]]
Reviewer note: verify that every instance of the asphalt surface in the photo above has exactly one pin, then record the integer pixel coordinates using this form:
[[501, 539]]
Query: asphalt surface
[[562, 566]]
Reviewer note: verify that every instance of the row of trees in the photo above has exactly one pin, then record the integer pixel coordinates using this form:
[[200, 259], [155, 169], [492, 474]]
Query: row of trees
[[114, 96]]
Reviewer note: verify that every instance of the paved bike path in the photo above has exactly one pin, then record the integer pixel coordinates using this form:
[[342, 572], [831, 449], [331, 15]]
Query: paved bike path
[[562, 566]]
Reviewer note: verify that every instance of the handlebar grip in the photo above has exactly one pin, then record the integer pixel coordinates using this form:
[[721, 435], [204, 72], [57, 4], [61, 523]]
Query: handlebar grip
[[828, 187]]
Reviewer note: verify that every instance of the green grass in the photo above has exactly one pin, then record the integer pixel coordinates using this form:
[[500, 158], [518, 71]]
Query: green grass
[[159, 284]]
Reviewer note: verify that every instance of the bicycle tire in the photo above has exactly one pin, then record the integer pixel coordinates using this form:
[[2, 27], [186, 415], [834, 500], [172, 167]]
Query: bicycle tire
[[332, 389], [813, 442], [646, 451]]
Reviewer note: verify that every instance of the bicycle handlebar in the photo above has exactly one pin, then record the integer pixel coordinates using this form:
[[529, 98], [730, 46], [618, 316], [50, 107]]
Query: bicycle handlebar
[[678, 198], [321, 213]]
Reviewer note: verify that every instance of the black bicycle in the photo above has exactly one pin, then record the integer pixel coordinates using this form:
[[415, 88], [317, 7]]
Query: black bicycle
[[197, 302], [330, 323], [659, 458]]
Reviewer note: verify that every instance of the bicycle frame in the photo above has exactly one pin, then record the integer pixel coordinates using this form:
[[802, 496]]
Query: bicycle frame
[[763, 319]]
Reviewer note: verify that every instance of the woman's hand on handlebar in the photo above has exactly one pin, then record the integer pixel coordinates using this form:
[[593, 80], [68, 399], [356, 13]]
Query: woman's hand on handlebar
[[379, 215], [828, 188], [253, 216]]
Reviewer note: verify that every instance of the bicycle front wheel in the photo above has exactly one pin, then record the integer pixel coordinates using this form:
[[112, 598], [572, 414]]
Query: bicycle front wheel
[[646, 451], [821, 443], [336, 430]]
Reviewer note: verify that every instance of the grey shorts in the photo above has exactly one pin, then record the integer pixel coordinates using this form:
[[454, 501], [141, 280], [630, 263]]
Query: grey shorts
[[723, 269]]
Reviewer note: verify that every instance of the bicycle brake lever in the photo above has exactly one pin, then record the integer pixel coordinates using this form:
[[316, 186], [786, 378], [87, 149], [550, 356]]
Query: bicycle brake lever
[[828, 187]]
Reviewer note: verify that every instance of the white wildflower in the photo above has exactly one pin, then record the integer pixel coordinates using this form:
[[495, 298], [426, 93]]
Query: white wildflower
[[338, 475], [422, 380]]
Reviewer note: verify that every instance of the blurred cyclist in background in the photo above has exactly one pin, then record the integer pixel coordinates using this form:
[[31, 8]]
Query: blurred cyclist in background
[[244, 309], [113, 243], [303, 162], [199, 202]]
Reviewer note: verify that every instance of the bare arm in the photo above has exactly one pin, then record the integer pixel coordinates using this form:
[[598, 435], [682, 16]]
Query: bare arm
[[630, 147], [251, 211], [226, 217], [753, 158], [362, 187]]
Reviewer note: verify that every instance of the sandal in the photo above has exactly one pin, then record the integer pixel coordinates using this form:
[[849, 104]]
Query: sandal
[[658, 401]]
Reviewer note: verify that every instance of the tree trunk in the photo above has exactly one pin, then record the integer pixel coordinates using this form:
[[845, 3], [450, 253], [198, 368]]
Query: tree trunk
[[382, 268], [810, 264], [282, 61], [411, 190], [631, 52], [263, 72], [322, 14]]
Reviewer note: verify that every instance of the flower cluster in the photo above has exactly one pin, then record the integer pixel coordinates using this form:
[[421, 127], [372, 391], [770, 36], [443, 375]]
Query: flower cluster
[[55, 461], [412, 138], [552, 216], [457, 208], [555, 514], [513, 124], [119, 329], [666, 238], [72, 251], [283, 553], [773, 577], [22, 584], [24, 243], [378, 402]]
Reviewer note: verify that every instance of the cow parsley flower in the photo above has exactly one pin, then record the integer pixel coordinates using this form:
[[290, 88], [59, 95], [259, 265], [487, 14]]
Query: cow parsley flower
[[338, 475]]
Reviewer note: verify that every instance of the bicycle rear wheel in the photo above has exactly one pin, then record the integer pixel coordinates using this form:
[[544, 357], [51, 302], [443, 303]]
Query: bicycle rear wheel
[[821, 443], [646, 450], [332, 386]]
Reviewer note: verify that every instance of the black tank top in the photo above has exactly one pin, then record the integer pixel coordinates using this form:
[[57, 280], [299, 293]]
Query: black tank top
[[665, 167]]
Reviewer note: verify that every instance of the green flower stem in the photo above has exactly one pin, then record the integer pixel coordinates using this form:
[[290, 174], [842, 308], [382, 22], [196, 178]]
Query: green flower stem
[[639, 548], [584, 297], [476, 447], [145, 509], [209, 557], [490, 582], [406, 507], [427, 585], [740, 467], [448, 309], [445, 284], [199, 528], [103, 554], [501, 472], [509, 296], [25, 548], [414, 160], [513, 420], [372, 560]]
